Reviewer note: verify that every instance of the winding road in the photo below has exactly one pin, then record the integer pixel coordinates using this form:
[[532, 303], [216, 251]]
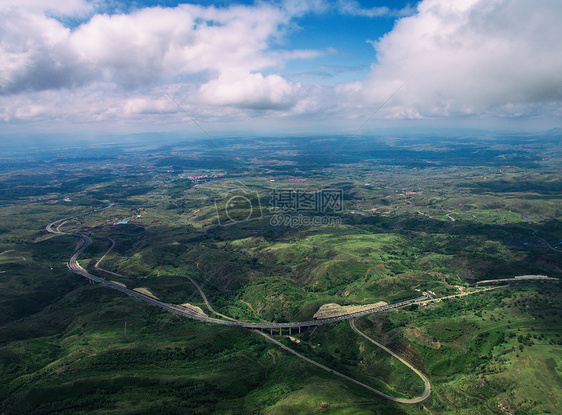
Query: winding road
[[422, 397], [74, 265], [54, 228], [427, 390]]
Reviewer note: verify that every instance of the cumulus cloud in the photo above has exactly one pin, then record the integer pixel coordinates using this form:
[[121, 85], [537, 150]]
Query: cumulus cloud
[[138, 48], [249, 90], [146, 105], [461, 58], [33, 55], [135, 49], [470, 57]]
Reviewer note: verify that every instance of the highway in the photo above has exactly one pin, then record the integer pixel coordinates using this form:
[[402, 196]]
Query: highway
[[86, 241], [74, 265], [176, 309], [179, 310], [422, 397]]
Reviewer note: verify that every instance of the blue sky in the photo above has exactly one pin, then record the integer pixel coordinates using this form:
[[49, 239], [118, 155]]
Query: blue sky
[[282, 67]]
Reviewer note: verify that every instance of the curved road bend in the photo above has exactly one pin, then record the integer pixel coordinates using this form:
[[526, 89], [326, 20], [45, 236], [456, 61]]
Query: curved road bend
[[427, 390], [75, 267], [424, 396], [86, 241], [50, 229]]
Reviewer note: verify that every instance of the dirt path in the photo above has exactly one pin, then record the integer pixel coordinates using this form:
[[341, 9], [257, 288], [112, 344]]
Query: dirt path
[[205, 298], [104, 255], [253, 311]]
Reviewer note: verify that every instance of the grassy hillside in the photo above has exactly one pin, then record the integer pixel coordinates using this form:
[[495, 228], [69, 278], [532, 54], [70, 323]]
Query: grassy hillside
[[409, 224]]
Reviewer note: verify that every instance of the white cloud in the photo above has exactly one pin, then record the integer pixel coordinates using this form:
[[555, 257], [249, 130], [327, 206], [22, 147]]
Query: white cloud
[[470, 57], [146, 105], [216, 53], [52, 7], [34, 54], [153, 43], [463, 58], [250, 90], [136, 49]]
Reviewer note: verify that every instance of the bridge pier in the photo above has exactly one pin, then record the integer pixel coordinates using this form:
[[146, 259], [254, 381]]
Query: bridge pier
[[280, 331], [289, 331], [299, 329], [271, 332]]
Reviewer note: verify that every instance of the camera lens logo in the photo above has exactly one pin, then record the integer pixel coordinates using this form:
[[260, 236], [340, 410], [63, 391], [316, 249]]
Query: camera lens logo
[[238, 206]]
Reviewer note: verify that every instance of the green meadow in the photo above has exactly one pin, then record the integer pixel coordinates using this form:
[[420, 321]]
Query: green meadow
[[408, 225]]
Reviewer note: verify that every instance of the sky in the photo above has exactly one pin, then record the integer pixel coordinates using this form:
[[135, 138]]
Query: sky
[[280, 67]]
